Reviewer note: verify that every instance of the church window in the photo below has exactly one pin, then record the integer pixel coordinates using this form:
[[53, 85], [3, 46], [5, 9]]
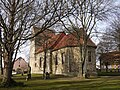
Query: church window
[[89, 56], [35, 64], [63, 58], [40, 63], [56, 60]]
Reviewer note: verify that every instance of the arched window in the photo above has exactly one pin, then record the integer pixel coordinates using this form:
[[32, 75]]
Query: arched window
[[35, 64], [89, 56], [56, 60], [63, 58], [40, 62]]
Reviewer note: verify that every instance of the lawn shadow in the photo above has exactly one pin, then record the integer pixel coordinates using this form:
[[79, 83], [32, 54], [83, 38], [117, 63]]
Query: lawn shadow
[[60, 84], [52, 77]]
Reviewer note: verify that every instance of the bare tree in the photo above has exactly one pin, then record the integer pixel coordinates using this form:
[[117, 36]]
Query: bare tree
[[106, 43], [43, 42], [85, 17], [110, 39], [16, 18], [114, 29]]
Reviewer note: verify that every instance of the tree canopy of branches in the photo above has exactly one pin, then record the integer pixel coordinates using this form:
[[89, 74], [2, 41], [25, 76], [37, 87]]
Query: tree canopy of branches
[[110, 40], [83, 21], [16, 19], [106, 43], [115, 32]]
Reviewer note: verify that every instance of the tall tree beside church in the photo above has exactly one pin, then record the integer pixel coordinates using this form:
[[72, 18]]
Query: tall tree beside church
[[43, 41], [84, 20], [16, 19]]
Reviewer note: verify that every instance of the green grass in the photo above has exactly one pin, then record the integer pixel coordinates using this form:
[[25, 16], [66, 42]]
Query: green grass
[[67, 83]]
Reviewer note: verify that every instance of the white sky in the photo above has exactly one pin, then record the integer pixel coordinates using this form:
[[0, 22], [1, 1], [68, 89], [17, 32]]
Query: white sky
[[24, 52], [26, 48]]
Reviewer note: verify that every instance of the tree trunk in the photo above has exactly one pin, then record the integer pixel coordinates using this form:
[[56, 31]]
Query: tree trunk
[[106, 68], [1, 68], [7, 80], [83, 68], [80, 70], [44, 65], [100, 65], [106, 65], [51, 62], [7, 74]]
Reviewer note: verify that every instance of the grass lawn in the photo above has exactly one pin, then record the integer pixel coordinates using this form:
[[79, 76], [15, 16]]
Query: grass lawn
[[67, 83]]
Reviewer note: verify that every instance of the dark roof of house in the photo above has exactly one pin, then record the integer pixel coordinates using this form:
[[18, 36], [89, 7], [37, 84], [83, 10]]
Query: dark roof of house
[[115, 55], [20, 58], [62, 40]]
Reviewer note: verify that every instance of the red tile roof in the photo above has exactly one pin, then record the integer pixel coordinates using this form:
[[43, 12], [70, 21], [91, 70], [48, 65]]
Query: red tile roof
[[62, 40], [70, 40], [52, 42]]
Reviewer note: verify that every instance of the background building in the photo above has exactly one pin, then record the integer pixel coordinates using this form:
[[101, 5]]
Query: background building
[[20, 65], [110, 61]]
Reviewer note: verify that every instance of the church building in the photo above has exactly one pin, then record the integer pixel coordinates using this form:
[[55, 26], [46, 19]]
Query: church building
[[59, 53]]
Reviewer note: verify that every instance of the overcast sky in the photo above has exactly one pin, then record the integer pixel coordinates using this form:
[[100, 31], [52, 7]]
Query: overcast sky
[[24, 51]]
